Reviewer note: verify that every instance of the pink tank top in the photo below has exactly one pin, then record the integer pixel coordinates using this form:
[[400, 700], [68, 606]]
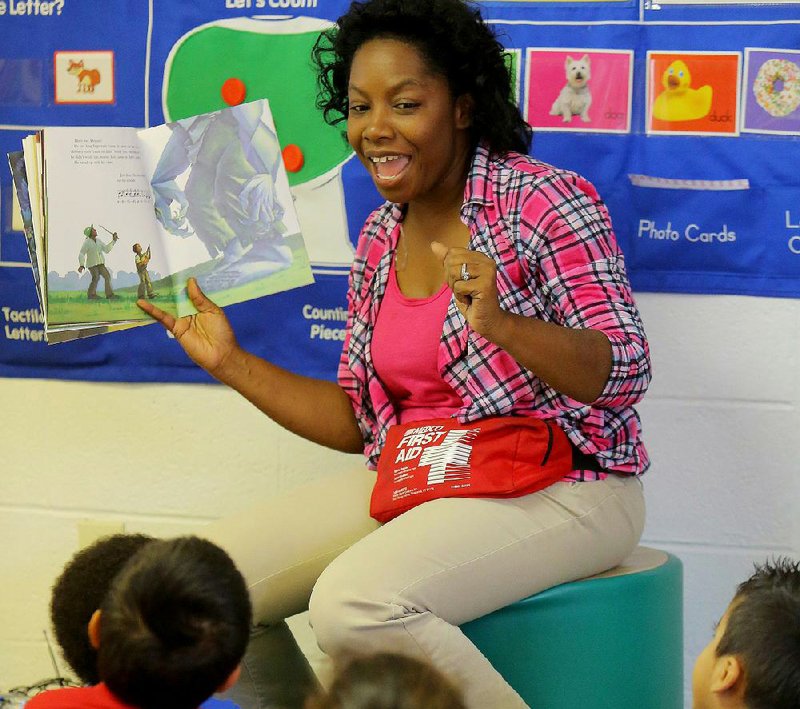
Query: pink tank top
[[405, 349]]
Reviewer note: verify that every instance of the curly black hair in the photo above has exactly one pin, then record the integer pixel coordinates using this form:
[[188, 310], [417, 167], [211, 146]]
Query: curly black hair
[[456, 43], [79, 591]]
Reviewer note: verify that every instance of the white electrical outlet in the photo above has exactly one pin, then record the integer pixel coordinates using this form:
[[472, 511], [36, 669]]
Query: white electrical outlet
[[90, 530]]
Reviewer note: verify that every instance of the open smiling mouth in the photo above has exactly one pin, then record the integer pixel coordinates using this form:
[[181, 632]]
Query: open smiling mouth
[[387, 168]]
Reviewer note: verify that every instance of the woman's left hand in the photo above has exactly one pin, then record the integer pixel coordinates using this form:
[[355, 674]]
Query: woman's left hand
[[476, 296]]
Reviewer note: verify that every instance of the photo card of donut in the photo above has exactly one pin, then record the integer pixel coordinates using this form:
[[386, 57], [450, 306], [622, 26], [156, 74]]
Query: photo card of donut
[[693, 93], [771, 101]]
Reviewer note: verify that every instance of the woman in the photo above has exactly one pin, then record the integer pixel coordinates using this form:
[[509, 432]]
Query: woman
[[488, 284]]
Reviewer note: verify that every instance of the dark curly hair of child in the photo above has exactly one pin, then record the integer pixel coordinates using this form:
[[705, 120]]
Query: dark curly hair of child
[[79, 591], [455, 42]]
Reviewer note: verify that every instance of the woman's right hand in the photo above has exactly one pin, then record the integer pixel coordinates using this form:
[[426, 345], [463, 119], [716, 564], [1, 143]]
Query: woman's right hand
[[207, 336]]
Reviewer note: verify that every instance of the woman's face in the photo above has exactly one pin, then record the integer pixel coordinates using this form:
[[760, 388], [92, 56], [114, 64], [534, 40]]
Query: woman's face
[[405, 125]]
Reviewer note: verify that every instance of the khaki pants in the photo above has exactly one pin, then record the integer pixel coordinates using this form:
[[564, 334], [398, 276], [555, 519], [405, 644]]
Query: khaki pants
[[408, 585], [145, 285], [96, 272]]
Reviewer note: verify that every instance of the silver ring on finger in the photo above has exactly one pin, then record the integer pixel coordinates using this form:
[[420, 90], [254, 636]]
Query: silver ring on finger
[[465, 274]]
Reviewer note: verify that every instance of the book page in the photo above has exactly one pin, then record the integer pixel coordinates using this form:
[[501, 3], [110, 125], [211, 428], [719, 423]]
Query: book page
[[30, 148], [94, 183], [223, 204], [16, 161]]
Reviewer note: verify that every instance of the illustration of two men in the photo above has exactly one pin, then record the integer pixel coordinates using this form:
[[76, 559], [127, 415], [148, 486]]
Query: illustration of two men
[[92, 256]]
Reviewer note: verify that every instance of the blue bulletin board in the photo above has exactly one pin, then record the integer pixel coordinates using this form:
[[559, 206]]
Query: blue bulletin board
[[691, 135]]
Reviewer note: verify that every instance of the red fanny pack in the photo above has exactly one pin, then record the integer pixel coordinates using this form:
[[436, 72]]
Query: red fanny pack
[[495, 457]]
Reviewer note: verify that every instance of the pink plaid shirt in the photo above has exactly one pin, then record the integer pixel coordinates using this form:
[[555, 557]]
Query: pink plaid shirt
[[557, 259]]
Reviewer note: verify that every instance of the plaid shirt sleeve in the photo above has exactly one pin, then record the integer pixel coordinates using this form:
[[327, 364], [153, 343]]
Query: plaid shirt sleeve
[[581, 272]]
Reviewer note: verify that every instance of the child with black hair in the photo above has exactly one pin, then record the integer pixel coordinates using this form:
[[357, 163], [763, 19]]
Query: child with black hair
[[387, 680], [78, 592], [170, 632], [753, 661]]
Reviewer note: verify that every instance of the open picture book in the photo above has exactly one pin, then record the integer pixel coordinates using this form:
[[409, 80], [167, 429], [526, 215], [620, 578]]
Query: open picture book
[[112, 215]]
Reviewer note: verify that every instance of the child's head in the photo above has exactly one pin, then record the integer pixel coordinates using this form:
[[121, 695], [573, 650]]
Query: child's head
[[78, 593], [753, 661], [388, 681], [174, 626]]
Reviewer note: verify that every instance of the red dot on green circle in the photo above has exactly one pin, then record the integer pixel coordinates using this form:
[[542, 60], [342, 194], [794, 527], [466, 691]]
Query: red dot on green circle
[[293, 158], [233, 91]]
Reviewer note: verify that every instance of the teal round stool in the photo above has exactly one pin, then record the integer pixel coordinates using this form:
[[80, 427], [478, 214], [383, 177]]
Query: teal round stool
[[612, 641]]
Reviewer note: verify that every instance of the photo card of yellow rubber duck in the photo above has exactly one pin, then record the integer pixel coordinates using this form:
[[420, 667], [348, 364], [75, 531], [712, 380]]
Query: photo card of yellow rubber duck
[[694, 93], [771, 88], [588, 90]]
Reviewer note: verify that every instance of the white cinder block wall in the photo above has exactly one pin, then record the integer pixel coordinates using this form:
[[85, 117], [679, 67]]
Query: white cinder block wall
[[721, 422]]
